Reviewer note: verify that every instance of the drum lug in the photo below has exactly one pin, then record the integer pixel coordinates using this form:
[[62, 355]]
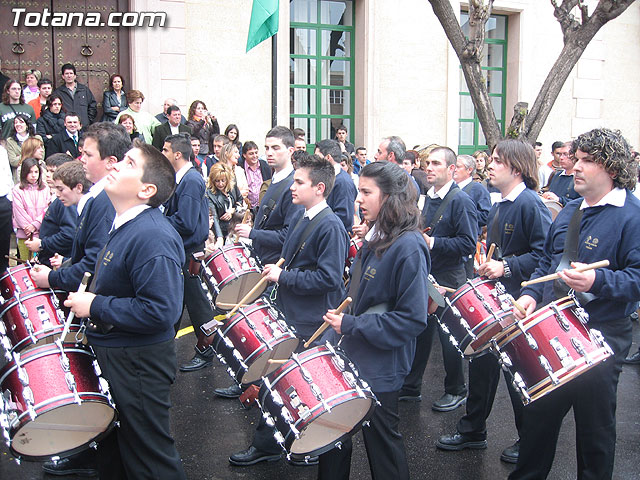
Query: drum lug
[[27, 394], [276, 398], [93, 445], [71, 383], [520, 386], [3, 329], [466, 326], [599, 339], [578, 347], [563, 354], [80, 334], [455, 344], [560, 318], [544, 363], [503, 357], [6, 343], [44, 317], [279, 438], [22, 309], [531, 341], [444, 328], [366, 423], [338, 445], [338, 362], [582, 315]]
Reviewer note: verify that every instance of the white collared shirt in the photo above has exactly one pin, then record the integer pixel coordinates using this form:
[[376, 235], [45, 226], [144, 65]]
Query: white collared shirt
[[315, 210], [93, 192], [464, 183], [615, 197], [336, 168], [174, 130], [127, 215], [370, 233], [514, 193], [282, 174], [442, 192], [183, 171], [564, 173], [72, 136]]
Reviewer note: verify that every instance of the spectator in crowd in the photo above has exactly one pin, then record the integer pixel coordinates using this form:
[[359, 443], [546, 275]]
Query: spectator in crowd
[[347, 165], [76, 97], [67, 141], [162, 116], [482, 167], [196, 157], [299, 133], [39, 104], [300, 144], [171, 127], [31, 90], [341, 137], [21, 131], [145, 122], [257, 171], [360, 160], [114, 100], [203, 125], [411, 163], [13, 105], [52, 119], [234, 135], [229, 156], [33, 147], [129, 125], [224, 199]]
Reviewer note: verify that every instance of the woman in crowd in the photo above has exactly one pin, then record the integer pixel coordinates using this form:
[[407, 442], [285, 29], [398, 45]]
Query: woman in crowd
[[224, 200], [31, 91], [33, 147], [482, 167], [114, 100], [52, 119], [233, 134], [229, 156], [203, 125], [21, 131], [129, 124], [145, 122]]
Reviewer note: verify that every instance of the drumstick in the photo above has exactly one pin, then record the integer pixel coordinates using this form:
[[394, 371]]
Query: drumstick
[[81, 288], [554, 276], [273, 360], [426, 230], [16, 259], [518, 306], [446, 289], [324, 326], [492, 249], [251, 292]]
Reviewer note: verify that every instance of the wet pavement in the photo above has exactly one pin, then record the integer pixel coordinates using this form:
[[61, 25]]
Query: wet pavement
[[208, 429]]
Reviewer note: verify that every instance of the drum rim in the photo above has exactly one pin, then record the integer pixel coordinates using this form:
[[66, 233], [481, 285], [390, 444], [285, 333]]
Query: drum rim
[[469, 284], [43, 351], [56, 330], [36, 292]]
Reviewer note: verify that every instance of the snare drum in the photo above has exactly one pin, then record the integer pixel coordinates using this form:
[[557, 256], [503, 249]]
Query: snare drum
[[553, 206], [549, 348], [355, 245], [250, 338], [315, 401], [230, 273], [29, 315], [476, 312], [53, 403]]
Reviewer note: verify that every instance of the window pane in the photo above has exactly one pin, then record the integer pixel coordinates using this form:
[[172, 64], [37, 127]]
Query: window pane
[[494, 81], [336, 102], [496, 28], [308, 125], [481, 139], [466, 107], [303, 41], [463, 83], [496, 102], [336, 12], [330, 125], [302, 71], [337, 71], [464, 23], [304, 11], [492, 55], [303, 100], [335, 44], [466, 133]]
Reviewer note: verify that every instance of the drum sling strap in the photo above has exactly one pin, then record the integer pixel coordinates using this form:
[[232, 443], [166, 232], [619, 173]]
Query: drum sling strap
[[494, 234], [271, 204], [93, 325], [570, 254], [354, 286], [453, 191]]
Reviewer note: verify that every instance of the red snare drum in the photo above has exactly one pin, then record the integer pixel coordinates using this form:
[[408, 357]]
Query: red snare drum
[[53, 403], [549, 348], [354, 247], [250, 338], [230, 273], [476, 312], [316, 401], [30, 315]]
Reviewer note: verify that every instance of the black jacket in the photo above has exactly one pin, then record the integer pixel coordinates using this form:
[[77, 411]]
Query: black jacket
[[163, 131], [110, 99], [218, 207], [82, 102], [50, 124], [62, 143]]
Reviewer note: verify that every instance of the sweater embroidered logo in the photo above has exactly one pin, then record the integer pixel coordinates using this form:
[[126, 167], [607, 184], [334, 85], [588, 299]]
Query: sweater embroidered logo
[[591, 242]]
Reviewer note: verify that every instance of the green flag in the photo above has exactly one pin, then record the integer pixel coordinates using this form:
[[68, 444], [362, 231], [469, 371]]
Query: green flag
[[264, 22]]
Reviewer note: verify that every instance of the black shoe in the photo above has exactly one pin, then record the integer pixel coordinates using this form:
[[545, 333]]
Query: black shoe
[[633, 359], [198, 362], [510, 454], [448, 402], [405, 396], [73, 465], [251, 456], [308, 461], [233, 391], [459, 441]]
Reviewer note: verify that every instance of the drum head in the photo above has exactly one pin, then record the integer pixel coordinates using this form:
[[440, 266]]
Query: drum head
[[62, 430], [261, 366], [234, 290]]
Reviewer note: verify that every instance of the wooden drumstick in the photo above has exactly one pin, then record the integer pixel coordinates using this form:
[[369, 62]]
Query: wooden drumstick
[[16, 259], [519, 307], [554, 276], [81, 288], [324, 326], [492, 249], [446, 289], [262, 281], [273, 360]]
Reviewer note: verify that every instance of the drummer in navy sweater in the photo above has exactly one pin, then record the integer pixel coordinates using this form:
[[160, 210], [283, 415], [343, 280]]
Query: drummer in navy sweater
[[518, 225], [133, 336], [609, 228], [388, 312], [310, 283]]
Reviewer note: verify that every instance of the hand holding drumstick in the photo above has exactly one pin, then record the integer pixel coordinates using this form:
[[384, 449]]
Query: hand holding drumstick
[[580, 278], [332, 318]]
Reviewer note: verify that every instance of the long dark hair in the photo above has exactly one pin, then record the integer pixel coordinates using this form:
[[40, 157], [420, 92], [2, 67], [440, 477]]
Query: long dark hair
[[25, 168], [399, 211]]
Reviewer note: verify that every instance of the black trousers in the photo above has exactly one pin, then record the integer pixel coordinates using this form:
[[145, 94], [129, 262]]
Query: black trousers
[[142, 447], [383, 442], [484, 374], [453, 365], [195, 299], [6, 227], [592, 396]]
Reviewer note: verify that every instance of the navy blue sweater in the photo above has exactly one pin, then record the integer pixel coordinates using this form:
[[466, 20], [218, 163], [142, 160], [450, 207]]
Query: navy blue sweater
[[382, 345], [188, 210], [139, 283], [482, 200], [342, 198], [523, 227], [91, 235], [57, 230], [268, 236], [562, 186], [606, 232], [456, 233], [312, 283]]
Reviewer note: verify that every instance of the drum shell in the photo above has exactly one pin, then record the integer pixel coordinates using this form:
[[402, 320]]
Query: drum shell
[[320, 363], [354, 247], [544, 327]]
